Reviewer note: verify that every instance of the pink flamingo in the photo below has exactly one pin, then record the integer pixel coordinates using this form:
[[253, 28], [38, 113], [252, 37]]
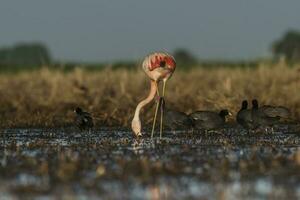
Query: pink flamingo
[[158, 66]]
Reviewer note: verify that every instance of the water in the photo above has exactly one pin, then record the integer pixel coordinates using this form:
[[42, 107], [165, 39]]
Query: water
[[111, 164]]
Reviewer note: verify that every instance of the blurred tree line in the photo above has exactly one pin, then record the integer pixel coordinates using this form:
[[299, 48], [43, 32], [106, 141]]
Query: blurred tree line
[[32, 55], [288, 47], [184, 58], [25, 54]]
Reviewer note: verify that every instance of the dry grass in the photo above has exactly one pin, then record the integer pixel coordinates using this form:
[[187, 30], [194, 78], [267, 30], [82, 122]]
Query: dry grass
[[47, 98]]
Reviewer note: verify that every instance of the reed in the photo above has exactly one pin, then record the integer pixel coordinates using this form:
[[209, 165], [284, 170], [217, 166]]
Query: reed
[[48, 97]]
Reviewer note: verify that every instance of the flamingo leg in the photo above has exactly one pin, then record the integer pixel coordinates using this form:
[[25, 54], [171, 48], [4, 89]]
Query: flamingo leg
[[162, 111], [154, 119], [156, 111]]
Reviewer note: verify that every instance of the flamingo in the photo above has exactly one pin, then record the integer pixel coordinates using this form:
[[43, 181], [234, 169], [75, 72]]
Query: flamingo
[[158, 66]]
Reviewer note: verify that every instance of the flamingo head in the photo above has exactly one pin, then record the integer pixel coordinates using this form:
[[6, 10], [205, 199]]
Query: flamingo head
[[136, 127]]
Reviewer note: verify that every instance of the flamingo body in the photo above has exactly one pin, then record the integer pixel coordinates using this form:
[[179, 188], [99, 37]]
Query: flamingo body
[[158, 66]]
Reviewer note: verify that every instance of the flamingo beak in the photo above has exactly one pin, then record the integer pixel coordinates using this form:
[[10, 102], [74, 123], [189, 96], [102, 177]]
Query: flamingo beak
[[139, 134]]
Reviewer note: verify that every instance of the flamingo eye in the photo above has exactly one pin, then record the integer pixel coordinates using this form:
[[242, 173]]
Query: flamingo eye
[[162, 63]]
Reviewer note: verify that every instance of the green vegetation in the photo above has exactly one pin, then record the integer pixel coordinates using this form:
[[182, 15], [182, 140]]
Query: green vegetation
[[185, 58], [288, 46], [34, 54]]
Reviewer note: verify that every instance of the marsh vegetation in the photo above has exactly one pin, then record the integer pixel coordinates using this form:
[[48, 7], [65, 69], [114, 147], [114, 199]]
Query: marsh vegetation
[[47, 98]]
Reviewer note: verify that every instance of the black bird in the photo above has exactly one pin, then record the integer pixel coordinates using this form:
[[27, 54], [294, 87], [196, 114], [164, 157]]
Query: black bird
[[83, 120], [175, 120], [267, 115], [209, 119], [276, 111], [244, 116]]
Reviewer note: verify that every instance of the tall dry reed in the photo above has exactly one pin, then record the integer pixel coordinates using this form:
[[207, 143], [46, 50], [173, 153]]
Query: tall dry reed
[[47, 98]]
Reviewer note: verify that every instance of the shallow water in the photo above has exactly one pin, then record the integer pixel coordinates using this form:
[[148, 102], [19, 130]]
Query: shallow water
[[110, 163]]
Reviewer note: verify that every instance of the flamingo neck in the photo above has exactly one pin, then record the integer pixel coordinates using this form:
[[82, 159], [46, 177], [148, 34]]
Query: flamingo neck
[[145, 101]]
